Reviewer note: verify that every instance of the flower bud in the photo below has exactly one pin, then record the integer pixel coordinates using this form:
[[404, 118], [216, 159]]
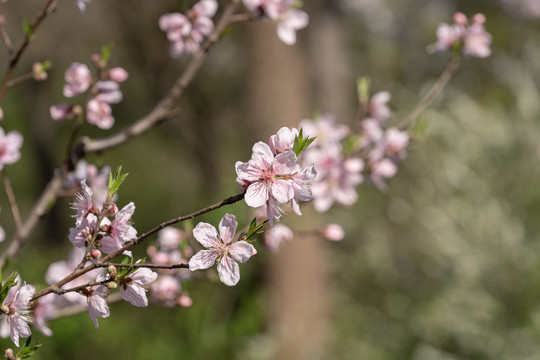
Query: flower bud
[[333, 232], [95, 254], [460, 18], [39, 72], [111, 285], [117, 74], [112, 271], [9, 354], [184, 301]]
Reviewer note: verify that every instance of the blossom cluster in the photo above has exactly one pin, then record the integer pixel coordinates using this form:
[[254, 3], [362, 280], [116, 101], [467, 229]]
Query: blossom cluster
[[103, 91], [472, 39], [187, 32], [274, 177], [171, 248], [15, 312], [288, 18]]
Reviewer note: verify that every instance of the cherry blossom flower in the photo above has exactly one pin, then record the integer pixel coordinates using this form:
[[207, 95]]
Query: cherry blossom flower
[[473, 38], [324, 129], [165, 290], [10, 144], [268, 178], [78, 79], [107, 91], [16, 307], [377, 106], [273, 238], [283, 12], [221, 249], [99, 113], [186, 32], [132, 286], [96, 179], [169, 238], [97, 303], [120, 230]]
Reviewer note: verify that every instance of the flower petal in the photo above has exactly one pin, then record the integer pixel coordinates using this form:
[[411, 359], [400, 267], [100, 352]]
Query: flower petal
[[202, 260], [227, 228], [206, 234], [241, 251], [256, 194], [229, 271], [134, 294]]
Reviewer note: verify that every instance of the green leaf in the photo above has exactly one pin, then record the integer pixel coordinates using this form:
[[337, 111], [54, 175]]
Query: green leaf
[[106, 52], [301, 143], [115, 181], [363, 84], [27, 350], [420, 126], [10, 282], [254, 229], [28, 29]]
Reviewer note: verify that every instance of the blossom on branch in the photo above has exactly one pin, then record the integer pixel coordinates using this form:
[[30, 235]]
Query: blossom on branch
[[221, 249], [16, 309], [132, 287], [187, 32], [284, 13], [472, 39], [10, 144]]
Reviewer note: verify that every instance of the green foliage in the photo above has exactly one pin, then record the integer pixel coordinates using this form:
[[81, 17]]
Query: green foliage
[[10, 282], [106, 52], [28, 29], [301, 143], [28, 350], [115, 181], [253, 230]]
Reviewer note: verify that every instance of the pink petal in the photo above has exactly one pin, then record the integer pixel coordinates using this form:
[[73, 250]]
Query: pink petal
[[135, 295], [206, 234], [227, 228], [282, 190], [144, 276], [256, 194], [285, 163], [229, 271], [241, 251], [203, 260]]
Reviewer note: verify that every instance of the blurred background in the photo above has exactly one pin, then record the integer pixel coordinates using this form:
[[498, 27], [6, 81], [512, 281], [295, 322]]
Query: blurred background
[[445, 265]]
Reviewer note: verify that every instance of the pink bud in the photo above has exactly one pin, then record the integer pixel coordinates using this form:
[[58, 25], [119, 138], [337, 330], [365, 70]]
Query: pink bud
[[185, 301], [117, 74], [9, 354], [460, 18], [333, 232], [60, 112], [479, 19], [95, 254]]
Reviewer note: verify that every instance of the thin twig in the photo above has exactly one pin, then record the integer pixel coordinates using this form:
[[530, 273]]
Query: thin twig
[[14, 59], [146, 265], [12, 200], [435, 90], [101, 263], [5, 36], [20, 79], [162, 111]]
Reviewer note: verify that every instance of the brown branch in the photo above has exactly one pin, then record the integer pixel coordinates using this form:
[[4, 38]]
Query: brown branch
[[163, 110], [101, 263], [20, 79], [14, 59], [146, 265], [5, 36], [435, 90], [12, 200]]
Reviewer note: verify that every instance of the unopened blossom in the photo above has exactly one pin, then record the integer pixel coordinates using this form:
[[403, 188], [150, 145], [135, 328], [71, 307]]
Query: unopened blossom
[[97, 303], [117, 74], [99, 113], [78, 79], [107, 91], [222, 249], [279, 234], [333, 232], [16, 308], [62, 111], [10, 144], [186, 32], [132, 287], [283, 140]]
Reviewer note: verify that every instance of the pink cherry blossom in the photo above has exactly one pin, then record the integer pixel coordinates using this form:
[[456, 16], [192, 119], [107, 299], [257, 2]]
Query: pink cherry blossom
[[78, 79], [99, 113], [283, 140], [16, 307], [107, 91], [289, 22], [165, 290], [132, 287], [377, 106], [221, 249], [324, 129], [120, 230], [97, 303], [117, 74], [267, 175], [186, 32], [10, 144], [169, 238], [277, 235]]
